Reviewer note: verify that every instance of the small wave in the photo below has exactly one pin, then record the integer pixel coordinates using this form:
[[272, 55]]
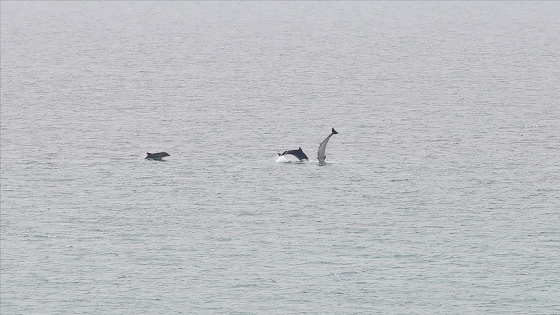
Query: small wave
[[290, 159]]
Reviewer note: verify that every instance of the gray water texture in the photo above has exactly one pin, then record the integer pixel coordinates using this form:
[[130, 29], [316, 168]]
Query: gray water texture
[[440, 194]]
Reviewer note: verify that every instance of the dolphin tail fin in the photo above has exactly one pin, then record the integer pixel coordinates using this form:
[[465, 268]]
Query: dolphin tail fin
[[334, 132]]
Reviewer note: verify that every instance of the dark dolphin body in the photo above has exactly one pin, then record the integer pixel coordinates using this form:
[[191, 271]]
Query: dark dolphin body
[[156, 156], [297, 153]]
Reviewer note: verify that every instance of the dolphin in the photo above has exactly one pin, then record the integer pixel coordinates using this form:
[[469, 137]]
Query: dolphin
[[156, 156], [297, 153], [321, 156]]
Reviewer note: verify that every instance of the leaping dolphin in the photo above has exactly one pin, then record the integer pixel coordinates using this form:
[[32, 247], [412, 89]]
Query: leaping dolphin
[[321, 156], [297, 153], [156, 156]]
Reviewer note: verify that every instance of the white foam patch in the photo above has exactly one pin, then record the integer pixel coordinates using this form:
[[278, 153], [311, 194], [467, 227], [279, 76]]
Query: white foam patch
[[288, 159], [283, 159]]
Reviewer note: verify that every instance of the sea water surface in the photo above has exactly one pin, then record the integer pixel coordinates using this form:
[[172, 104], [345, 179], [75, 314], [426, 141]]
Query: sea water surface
[[440, 194]]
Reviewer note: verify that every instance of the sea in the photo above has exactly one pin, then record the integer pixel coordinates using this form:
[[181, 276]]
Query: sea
[[440, 194]]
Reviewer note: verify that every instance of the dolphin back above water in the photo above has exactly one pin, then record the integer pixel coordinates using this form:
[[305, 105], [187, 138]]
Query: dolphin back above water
[[321, 156], [297, 153], [156, 156]]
